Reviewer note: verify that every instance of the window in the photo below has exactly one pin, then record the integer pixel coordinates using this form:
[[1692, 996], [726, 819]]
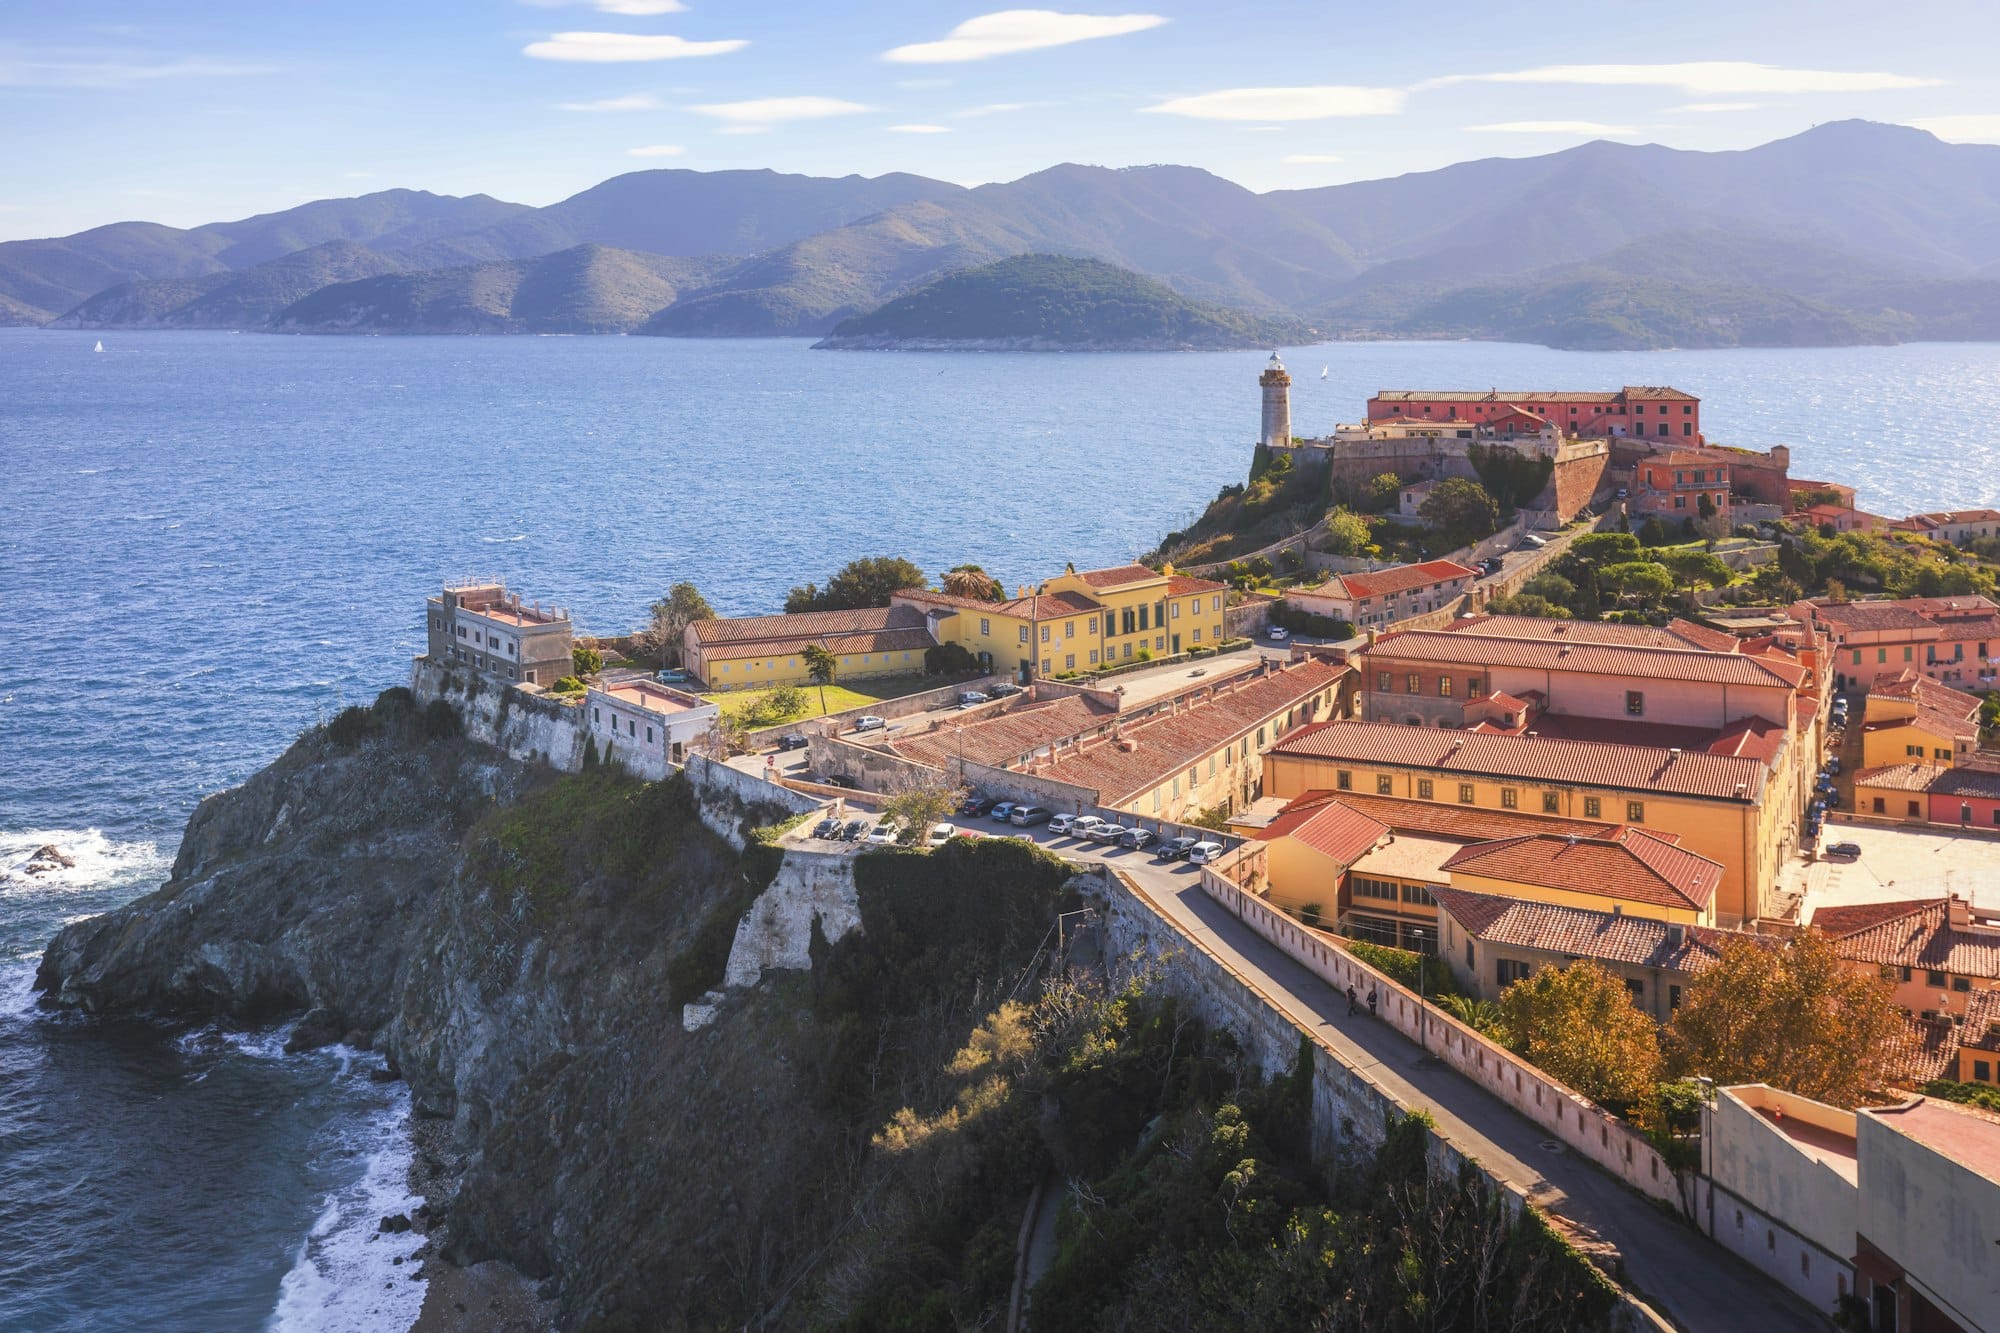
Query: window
[[1881, 806], [1444, 687], [1197, 634], [1592, 807], [1510, 798], [1045, 666], [1143, 622], [1465, 793], [1673, 997], [1507, 971], [1218, 602], [1090, 625], [1024, 634], [1914, 811], [597, 715], [1961, 983], [1384, 784], [1635, 812], [1982, 1071], [1069, 629], [1069, 661], [1933, 978], [1093, 657], [985, 627], [649, 735], [1638, 989], [1415, 683], [1045, 634], [1635, 703], [1551, 803], [1344, 780], [1380, 889], [1177, 610], [1417, 895], [1472, 686], [1423, 789], [1382, 680]]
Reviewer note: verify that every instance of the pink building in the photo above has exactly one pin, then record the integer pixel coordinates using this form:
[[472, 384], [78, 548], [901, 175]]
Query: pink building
[[1652, 411]]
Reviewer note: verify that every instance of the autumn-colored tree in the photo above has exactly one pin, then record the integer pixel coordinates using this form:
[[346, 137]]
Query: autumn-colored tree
[[1577, 1023], [918, 808], [1794, 1015]]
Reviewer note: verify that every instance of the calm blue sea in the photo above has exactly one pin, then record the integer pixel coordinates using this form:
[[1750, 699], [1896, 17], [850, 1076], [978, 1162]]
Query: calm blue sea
[[208, 541]]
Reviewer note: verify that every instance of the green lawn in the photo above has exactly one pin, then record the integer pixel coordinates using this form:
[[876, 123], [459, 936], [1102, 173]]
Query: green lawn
[[839, 698]]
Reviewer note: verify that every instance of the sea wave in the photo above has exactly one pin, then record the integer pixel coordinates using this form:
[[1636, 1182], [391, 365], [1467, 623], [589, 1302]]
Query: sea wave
[[517, 537], [101, 860], [350, 1276]]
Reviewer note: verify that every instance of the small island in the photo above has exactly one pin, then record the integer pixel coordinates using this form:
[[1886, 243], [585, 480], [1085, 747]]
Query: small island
[[1055, 303]]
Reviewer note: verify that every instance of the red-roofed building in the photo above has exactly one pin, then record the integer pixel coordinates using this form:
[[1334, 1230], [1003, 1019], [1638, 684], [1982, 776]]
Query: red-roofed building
[[1655, 412], [1911, 719], [1630, 870], [757, 652], [1957, 526], [1672, 486], [1381, 597], [1938, 952], [1954, 640]]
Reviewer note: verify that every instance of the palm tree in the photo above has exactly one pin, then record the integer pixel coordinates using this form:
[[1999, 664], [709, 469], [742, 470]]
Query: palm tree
[[971, 581]]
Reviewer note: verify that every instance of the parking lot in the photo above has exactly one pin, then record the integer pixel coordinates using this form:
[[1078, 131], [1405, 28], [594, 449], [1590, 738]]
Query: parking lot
[[1897, 863]]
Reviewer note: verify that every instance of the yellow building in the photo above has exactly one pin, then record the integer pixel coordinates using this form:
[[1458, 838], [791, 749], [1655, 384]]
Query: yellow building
[[1632, 870], [1717, 805], [1939, 953], [1909, 719], [757, 652], [1079, 622]]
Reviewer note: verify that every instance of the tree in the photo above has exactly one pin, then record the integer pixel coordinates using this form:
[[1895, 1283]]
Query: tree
[[1527, 604], [1605, 548], [1692, 569], [1551, 586], [821, 668], [1382, 492], [916, 808], [1653, 532], [1577, 1023], [971, 581], [1346, 533], [1794, 1015], [681, 607], [586, 661], [856, 585], [1460, 506], [1643, 580]]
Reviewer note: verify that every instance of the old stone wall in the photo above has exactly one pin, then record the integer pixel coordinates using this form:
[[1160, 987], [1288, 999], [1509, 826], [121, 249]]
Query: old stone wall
[[527, 727], [777, 930]]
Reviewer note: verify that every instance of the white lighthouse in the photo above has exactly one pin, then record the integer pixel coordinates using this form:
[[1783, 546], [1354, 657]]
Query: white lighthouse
[[1277, 386]]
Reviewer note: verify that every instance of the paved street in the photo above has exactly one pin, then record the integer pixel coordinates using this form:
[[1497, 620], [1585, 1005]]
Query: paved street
[[1694, 1282]]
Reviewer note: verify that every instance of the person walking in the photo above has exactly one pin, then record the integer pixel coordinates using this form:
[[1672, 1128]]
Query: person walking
[[1352, 1007], [1371, 1002]]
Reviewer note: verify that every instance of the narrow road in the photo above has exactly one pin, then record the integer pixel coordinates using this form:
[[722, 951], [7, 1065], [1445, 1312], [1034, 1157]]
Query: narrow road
[[1686, 1277]]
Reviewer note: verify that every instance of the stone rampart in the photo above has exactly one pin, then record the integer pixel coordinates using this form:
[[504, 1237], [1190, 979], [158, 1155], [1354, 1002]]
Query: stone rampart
[[777, 930], [528, 727]]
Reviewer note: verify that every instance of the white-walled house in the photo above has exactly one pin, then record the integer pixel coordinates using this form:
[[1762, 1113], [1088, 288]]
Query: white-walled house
[[645, 726]]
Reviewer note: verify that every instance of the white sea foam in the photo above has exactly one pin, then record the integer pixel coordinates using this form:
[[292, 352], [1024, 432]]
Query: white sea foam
[[345, 1278], [101, 862], [517, 537]]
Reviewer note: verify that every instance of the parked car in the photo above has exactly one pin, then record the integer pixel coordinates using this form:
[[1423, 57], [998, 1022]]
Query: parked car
[[975, 804], [1136, 838], [827, 828], [1203, 852], [1621, 492], [792, 742], [838, 780], [1081, 825], [869, 722], [883, 833], [1492, 564], [1534, 542], [1108, 832], [941, 834], [1060, 823], [999, 813], [1000, 689], [970, 698], [1833, 764], [1173, 849], [1850, 850], [672, 676], [1279, 634], [1024, 815], [852, 830]]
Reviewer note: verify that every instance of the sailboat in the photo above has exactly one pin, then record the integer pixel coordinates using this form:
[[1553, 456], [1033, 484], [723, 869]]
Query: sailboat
[[99, 347], [1322, 372]]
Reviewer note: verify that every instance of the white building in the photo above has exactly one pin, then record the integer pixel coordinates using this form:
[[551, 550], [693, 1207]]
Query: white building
[[644, 726]]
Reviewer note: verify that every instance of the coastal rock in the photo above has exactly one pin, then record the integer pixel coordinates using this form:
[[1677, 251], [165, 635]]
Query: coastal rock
[[46, 859], [320, 1027]]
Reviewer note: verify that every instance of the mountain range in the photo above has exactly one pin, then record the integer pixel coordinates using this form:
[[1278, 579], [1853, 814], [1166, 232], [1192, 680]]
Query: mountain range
[[1850, 232]]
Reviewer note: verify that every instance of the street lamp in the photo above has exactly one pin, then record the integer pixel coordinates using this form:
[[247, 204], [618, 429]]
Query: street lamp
[[1423, 1026]]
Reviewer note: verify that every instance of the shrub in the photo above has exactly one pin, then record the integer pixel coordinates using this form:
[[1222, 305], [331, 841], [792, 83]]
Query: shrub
[[441, 721], [1404, 967], [1144, 655], [586, 661], [949, 659], [567, 685]]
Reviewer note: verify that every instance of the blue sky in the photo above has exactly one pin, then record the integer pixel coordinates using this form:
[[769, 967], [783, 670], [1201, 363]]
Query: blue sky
[[192, 112]]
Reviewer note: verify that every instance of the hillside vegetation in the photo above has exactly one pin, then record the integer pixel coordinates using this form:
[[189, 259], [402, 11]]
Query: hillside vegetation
[[1056, 302]]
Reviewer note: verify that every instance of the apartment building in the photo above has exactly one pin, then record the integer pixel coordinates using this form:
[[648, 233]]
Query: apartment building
[[645, 726], [1653, 411], [1953, 640], [489, 629], [1909, 718], [1957, 526], [1938, 952]]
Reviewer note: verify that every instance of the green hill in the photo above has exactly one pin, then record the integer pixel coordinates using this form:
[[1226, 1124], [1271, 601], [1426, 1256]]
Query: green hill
[[1054, 302]]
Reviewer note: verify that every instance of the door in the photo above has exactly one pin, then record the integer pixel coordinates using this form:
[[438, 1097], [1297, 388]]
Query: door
[[1177, 645]]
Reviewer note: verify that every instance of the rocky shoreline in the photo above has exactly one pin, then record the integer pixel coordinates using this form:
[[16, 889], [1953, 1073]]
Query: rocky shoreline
[[488, 1297]]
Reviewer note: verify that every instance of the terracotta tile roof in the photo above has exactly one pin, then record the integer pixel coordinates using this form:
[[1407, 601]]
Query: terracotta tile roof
[[1635, 768], [1946, 517], [1117, 577], [1179, 585], [1005, 738], [1164, 743], [1920, 1051], [1464, 823], [1595, 658], [1976, 780], [1847, 918], [1397, 578], [1631, 865], [1746, 738], [1981, 1029], [1333, 829], [1582, 932], [1039, 606], [1920, 937], [805, 625], [1897, 777], [1940, 710], [1909, 613]]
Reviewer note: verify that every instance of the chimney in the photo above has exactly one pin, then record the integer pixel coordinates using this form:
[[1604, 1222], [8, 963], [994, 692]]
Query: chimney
[[1957, 912], [1617, 909], [1676, 934]]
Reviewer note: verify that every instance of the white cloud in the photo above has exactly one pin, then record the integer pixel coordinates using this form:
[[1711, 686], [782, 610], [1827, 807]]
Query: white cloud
[[1701, 76], [602, 47], [1312, 103], [997, 109], [627, 8], [766, 111], [32, 72], [1313, 159], [920, 129], [743, 129], [1975, 128], [1717, 106], [656, 150], [633, 102], [1012, 30], [1589, 127]]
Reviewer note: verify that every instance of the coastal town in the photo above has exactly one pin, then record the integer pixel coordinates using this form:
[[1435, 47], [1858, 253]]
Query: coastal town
[[1549, 679]]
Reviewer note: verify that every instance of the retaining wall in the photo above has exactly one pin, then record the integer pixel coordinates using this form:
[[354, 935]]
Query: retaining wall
[[529, 727]]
